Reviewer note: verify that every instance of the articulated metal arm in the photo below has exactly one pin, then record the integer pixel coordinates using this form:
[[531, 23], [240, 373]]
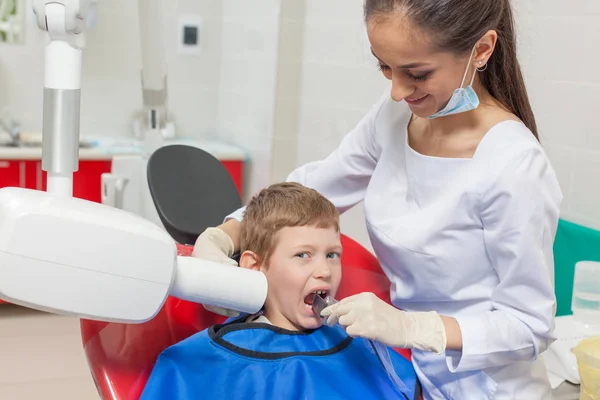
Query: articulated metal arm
[[65, 21]]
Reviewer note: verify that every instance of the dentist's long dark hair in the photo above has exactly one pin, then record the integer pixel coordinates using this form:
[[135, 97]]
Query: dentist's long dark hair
[[456, 26]]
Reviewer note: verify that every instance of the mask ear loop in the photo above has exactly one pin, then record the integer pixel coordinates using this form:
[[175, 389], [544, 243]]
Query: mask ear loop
[[467, 70], [475, 73]]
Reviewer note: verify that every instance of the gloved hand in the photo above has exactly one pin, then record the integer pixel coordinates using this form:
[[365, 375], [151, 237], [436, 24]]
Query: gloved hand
[[366, 315], [215, 245]]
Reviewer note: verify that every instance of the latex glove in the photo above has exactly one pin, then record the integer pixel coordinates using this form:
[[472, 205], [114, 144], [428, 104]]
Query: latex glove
[[366, 315], [215, 245]]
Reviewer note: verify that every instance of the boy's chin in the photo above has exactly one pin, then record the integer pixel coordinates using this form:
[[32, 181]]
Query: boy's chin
[[309, 323]]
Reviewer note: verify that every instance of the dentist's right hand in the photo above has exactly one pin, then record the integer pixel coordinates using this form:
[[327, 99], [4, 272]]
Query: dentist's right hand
[[215, 245]]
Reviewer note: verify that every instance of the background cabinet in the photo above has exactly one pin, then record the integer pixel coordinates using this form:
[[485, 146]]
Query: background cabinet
[[28, 174], [86, 181], [12, 173]]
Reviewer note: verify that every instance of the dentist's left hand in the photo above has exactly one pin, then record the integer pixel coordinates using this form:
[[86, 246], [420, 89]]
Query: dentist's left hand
[[215, 245], [366, 315]]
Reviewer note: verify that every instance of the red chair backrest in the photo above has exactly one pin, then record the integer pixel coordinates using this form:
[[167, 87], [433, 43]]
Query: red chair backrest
[[121, 356]]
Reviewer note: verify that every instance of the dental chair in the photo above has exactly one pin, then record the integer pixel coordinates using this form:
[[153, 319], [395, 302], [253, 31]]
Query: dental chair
[[183, 180]]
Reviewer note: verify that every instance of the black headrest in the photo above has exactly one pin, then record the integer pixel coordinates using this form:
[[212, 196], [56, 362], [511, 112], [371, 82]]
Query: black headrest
[[191, 190]]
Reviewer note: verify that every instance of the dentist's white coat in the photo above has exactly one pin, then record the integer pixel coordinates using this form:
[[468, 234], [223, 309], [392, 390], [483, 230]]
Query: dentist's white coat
[[468, 238]]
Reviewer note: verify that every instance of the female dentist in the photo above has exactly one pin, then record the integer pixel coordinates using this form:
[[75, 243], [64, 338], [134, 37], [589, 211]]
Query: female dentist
[[461, 202]]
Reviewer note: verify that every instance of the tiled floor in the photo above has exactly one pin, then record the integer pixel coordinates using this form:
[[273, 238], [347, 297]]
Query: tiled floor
[[41, 357]]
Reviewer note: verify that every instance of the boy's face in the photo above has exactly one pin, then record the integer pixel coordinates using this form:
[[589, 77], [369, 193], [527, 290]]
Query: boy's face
[[305, 260]]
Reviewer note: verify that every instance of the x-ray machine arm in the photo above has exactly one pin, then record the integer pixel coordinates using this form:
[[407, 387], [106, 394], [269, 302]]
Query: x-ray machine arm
[[71, 256]]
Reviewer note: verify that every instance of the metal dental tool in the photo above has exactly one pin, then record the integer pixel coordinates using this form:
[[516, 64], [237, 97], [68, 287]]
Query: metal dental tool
[[319, 304]]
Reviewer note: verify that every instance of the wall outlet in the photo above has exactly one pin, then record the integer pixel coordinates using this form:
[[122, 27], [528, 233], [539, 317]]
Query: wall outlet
[[190, 34]]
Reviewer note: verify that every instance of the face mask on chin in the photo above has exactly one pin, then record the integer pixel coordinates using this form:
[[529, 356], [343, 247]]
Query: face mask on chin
[[463, 99]]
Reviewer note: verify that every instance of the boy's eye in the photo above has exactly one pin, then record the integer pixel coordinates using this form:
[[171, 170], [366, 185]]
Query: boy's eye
[[334, 255], [302, 255]]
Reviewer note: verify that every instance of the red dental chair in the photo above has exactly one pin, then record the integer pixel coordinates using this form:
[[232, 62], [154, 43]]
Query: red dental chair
[[121, 356]]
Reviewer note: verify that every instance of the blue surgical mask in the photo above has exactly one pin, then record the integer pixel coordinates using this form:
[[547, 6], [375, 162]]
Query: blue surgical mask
[[463, 99]]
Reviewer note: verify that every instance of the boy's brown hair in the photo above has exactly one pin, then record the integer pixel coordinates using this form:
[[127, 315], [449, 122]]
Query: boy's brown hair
[[283, 205]]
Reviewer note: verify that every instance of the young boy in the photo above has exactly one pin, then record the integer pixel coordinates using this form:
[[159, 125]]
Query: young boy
[[291, 233]]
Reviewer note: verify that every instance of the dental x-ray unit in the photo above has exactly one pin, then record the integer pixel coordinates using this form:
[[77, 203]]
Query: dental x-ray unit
[[71, 256]]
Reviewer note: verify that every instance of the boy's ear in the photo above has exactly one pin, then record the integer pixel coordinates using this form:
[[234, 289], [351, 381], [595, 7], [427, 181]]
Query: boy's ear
[[250, 260]]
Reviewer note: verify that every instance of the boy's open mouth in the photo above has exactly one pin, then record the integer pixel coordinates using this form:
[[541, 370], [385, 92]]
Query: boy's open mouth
[[308, 300]]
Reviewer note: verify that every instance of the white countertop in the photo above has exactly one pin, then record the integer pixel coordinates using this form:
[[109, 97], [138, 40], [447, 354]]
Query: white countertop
[[107, 148]]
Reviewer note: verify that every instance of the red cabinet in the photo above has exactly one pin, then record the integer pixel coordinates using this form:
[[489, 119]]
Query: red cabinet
[[12, 173], [236, 170], [87, 181], [29, 174]]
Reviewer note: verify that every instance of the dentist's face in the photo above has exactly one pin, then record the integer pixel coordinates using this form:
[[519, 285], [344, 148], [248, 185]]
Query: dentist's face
[[420, 75]]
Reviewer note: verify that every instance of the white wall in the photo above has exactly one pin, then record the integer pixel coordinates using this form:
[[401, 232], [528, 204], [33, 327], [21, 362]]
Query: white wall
[[228, 91], [247, 89], [22, 78], [559, 52], [558, 48], [111, 73], [338, 83]]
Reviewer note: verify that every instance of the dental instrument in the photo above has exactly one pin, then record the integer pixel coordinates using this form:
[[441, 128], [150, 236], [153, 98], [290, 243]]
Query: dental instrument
[[71, 256]]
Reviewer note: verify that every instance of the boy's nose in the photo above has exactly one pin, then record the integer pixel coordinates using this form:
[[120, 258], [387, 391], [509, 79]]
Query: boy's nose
[[323, 270]]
